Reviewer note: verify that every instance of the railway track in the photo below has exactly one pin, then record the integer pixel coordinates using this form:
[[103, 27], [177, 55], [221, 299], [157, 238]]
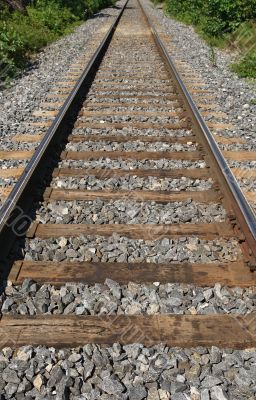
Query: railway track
[[127, 161]]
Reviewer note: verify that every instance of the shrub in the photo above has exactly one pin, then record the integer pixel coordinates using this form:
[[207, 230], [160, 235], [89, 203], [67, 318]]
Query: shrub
[[214, 17], [246, 67], [52, 15], [31, 30], [221, 22], [45, 20], [11, 50]]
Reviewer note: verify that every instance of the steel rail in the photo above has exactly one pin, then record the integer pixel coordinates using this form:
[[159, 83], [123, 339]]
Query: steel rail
[[21, 187], [243, 211]]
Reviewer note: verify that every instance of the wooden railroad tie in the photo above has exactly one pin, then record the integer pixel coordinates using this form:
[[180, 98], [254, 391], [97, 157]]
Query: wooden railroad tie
[[235, 331]]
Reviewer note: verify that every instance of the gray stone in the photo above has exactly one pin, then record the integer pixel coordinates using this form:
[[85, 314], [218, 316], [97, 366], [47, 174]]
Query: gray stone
[[69, 308], [20, 396], [22, 309], [160, 362], [68, 298], [31, 306], [137, 393], [3, 365], [88, 349], [217, 393], [7, 304], [205, 394], [74, 357], [112, 386], [151, 375], [56, 375], [61, 387], [2, 384], [205, 371], [166, 385], [178, 396], [30, 372], [18, 365], [210, 381], [24, 386], [26, 284], [208, 294], [218, 369], [71, 253], [41, 306], [88, 369], [10, 376], [153, 394], [100, 359], [174, 302], [115, 287], [11, 388], [247, 375], [178, 387], [215, 355]]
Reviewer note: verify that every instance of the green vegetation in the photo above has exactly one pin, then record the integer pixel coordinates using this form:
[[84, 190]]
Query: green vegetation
[[244, 39], [222, 23], [246, 67], [43, 21]]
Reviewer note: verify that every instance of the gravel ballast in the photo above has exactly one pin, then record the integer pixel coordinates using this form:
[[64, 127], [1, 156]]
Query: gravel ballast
[[128, 146], [125, 164], [131, 372], [118, 248], [111, 298], [130, 131], [132, 182], [129, 212]]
